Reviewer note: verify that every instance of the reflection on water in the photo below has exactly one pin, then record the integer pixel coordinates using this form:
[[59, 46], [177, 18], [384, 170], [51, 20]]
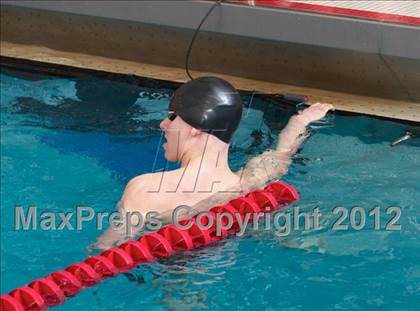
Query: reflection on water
[[113, 108]]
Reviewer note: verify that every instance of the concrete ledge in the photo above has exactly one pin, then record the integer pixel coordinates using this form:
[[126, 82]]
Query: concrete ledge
[[360, 66], [253, 22], [282, 62]]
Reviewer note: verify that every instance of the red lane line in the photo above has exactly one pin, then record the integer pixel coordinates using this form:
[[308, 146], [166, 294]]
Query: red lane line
[[336, 10], [51, 290]]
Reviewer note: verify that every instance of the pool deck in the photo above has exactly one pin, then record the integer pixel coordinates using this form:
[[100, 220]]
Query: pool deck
[[346, 102], [376, 73]]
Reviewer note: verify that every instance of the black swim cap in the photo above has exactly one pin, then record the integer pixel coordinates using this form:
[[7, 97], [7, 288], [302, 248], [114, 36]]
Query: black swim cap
[[209, 104]]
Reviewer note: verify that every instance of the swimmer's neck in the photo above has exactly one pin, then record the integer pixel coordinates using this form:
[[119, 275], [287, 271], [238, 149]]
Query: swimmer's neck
[[211, 154]]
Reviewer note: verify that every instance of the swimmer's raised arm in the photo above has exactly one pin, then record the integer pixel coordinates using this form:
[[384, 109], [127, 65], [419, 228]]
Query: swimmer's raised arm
[[290, 136], [274, 163]]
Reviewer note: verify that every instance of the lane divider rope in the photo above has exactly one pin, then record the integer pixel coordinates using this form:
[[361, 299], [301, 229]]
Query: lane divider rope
[[53, 289]]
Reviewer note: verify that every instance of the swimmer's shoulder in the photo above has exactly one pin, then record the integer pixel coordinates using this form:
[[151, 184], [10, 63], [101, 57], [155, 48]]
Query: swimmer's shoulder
[[151, 182], [140, 190], [144, 190]]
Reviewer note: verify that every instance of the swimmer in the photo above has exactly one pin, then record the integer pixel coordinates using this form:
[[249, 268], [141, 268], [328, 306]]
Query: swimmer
[[203, 116]]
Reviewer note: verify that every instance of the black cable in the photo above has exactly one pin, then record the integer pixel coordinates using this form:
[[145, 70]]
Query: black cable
[[195, 35]]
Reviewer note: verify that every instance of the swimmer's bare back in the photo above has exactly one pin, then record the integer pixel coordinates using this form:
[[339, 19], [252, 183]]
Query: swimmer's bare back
[[206, 181], [164, 191]]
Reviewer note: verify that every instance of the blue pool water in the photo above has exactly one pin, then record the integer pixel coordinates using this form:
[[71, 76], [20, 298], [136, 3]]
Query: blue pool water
[[67, 142]]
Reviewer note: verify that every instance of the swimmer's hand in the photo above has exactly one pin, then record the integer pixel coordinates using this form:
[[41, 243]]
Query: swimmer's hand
[[313, 113], [274, 163]]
